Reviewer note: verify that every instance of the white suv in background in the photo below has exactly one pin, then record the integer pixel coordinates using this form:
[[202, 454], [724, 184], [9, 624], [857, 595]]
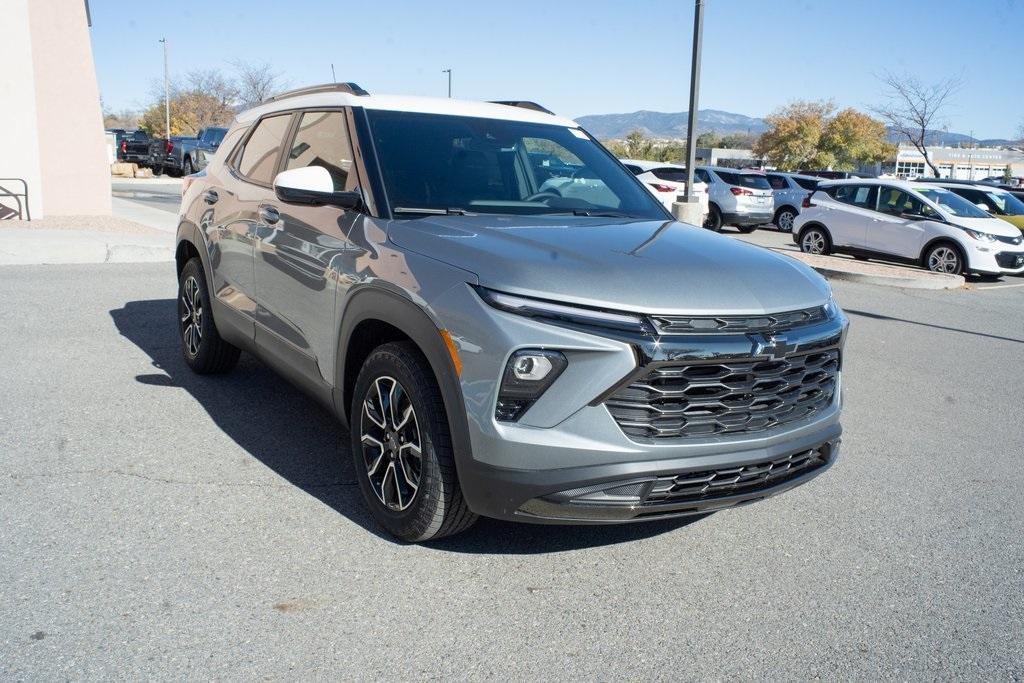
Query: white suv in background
[[740, 198], [667, 181], [910, 222], [789, 190]]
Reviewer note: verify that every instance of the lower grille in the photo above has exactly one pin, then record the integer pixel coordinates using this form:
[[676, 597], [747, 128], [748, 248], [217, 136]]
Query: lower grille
[[708, 399], [707, 484], [1010, 259]]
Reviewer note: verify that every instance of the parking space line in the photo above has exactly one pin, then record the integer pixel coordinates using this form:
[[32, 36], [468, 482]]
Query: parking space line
[[1000, 286]]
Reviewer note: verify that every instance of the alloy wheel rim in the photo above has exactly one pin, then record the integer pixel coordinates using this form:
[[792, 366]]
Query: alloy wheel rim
[[786, 221], [814, 242], [943, 260], [191, 311], [390, 438]]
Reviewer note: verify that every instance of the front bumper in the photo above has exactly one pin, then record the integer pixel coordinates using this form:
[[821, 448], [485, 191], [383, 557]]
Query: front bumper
[[996, 261]]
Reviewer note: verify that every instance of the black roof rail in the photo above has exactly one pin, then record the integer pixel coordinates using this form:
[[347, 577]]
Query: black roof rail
[[524, 104], [350, 88]]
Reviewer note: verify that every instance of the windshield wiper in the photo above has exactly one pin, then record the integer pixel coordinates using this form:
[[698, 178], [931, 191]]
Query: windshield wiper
[[402, 210], [605, 214]]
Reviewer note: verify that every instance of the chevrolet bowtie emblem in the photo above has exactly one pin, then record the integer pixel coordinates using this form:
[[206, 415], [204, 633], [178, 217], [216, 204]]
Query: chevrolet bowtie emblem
[[775, 346]]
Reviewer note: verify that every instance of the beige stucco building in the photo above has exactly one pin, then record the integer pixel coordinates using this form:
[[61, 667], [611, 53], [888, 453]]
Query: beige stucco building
[[51, 126]]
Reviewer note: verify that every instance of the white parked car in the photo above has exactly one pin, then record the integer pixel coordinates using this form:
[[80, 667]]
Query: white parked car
[[789, 190], [740, 198], [667, 181], [910, 222]]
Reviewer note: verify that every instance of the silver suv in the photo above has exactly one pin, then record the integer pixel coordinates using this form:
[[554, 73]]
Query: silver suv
[[507, 321], [739, 198]]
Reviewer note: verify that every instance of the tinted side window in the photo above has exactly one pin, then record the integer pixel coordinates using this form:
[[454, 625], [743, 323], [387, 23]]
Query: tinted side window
[[322, 140], [896, 202], [806, 183], [862, 196], [258, 161], [702, 175], [635, 170], [777, 182], [977, 197], [675, 175]]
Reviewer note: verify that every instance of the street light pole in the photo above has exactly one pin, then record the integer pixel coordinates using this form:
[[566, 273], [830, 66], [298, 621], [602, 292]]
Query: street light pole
[[167, 94], [691, 122], [449, 72]]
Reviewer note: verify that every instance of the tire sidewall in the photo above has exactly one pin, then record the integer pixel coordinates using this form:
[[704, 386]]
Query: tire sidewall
[[194, 268], [419, 520], [714, 221], [824, 235], [962, 262]]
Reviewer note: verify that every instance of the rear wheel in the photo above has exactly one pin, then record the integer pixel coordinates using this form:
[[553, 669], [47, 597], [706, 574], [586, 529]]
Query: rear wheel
[[944, 258], [815, 241], [186, 167], [402, 448], [203, 349], [784, 219], [714, 220]]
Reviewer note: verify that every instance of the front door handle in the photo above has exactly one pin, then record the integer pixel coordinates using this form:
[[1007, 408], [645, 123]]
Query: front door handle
[[269, 215], [211, 197]]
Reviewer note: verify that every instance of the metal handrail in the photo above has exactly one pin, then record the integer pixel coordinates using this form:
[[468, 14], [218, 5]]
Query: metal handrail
[[4, 192]]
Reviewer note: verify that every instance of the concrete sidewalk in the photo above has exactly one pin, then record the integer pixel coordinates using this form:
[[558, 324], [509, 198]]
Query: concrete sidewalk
[[29, 246]]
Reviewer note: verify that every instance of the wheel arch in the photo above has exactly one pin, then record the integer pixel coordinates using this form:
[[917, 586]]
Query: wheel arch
[[815, 224], [375, 316], [942, 239], [796, 212]]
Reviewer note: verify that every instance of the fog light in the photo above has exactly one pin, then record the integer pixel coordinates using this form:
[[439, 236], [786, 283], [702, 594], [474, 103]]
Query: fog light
[[527, 376]]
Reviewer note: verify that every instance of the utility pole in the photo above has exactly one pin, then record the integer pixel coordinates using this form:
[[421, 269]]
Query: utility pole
[[449, 72], [334, 79], [167, 94], [688, 209]]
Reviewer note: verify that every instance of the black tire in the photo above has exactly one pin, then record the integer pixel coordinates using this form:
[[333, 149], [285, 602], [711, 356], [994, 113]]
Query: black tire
[[158, 170], [714, 220], [746, 229], [186, 167], [944, 257], [209, 354], [784, 218], [814, 239], [436, 507]]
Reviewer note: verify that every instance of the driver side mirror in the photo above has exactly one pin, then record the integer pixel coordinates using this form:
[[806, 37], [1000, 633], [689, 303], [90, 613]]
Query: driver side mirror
[[313, 186]]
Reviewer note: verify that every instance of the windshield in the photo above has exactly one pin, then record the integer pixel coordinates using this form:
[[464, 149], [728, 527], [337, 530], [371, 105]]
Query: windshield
[[951, 202], [1007, 203], [458, 164]]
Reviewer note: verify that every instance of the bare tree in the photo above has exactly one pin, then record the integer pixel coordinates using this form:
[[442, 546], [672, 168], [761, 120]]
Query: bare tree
[[912, 108], [256, 82]]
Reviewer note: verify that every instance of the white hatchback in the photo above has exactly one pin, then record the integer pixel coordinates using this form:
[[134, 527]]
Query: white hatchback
[[667, 181], [909, 222]]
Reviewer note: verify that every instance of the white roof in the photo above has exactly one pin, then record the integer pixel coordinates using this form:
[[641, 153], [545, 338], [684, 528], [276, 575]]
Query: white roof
[[648, 165], [425, 105]]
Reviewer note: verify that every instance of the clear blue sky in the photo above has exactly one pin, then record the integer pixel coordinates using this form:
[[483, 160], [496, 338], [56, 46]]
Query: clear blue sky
[[586, 58]]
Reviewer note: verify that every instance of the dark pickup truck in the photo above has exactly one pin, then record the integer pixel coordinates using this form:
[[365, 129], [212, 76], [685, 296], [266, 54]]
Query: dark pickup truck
[[137, 147], [186, 155]]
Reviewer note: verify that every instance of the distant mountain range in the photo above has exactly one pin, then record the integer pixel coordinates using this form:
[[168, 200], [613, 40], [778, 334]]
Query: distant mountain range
[[672, 125]]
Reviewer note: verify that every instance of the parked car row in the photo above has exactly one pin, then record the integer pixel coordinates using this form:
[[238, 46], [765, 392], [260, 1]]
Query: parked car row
[[181, 155], [667, 182], [926, 224]]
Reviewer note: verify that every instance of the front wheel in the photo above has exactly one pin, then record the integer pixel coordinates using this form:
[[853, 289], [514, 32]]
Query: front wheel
[[784, 220], [402, 448], [814, 241], [944, 258], [714, 220]]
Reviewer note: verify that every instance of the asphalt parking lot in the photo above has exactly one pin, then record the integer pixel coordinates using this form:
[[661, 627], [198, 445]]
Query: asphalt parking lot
[[157, 524]]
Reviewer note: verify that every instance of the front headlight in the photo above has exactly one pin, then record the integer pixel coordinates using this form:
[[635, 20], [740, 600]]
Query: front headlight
[[555, 312], [982, 236]]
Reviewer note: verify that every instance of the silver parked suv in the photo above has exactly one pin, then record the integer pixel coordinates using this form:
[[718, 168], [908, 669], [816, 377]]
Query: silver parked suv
[[507, 321]]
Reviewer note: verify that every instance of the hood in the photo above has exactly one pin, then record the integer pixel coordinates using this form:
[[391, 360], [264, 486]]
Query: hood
[[641, 266], [993, 225]]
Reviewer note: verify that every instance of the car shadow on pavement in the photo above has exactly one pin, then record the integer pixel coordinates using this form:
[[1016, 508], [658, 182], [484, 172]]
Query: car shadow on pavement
[[303, 443]]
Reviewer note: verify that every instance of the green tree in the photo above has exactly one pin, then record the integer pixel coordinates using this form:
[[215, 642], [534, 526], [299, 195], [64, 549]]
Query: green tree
[[794, 132], [638, 145], [1007, 175], [737, 141], [852, 139], [709, 139]]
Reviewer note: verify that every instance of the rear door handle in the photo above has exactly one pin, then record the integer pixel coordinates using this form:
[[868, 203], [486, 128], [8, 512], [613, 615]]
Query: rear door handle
[[269, 215], [211, 197]]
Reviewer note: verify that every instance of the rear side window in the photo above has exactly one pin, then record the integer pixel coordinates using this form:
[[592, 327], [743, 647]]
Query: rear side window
[[258, 160], [322, 140], [702, 175], [675, 175], [777, 182], [856, 195], [753, 180], [806, 183], [635, 170]]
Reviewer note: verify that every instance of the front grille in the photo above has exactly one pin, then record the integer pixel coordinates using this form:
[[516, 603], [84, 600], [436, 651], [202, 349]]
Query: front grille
[[1016, 239], [773, 322], [1010, 259], [697, 486], [710, 398]]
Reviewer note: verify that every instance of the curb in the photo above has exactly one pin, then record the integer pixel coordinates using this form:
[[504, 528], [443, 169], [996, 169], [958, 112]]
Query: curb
[[917, 280]]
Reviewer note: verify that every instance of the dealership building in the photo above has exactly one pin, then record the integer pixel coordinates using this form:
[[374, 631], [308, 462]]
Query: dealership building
[[961, 163]]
